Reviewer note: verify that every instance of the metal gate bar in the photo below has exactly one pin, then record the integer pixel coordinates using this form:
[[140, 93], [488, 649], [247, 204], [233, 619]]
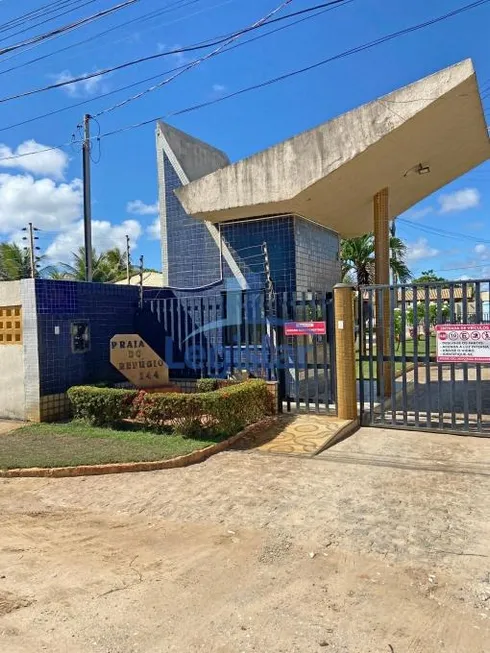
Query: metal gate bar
[[425, 394], [221, 335]]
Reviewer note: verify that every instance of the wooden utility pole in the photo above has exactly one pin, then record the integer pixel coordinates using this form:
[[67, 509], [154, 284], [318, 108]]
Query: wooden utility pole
[[87, 198]]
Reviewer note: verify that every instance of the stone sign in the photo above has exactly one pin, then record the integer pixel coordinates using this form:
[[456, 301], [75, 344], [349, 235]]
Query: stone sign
[[134, 358]]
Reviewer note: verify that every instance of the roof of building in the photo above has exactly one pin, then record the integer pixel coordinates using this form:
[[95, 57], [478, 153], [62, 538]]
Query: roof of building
[[331, 173], [457, 294], [151, 279]]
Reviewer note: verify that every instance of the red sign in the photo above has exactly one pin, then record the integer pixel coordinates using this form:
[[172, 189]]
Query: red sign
[[305, 328], [463, 343]]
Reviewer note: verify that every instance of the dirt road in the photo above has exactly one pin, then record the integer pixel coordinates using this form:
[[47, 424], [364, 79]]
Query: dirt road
[[252, 552]]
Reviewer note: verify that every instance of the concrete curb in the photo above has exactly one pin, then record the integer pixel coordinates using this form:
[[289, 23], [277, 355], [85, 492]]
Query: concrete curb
[[193, 458]]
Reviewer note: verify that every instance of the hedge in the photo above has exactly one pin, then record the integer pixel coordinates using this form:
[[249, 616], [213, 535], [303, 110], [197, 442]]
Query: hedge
[[223, 412], [102, 406], [208, 385]]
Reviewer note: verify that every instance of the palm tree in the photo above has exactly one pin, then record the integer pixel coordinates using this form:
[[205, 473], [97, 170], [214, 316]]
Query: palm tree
[[14, 262], [107, 267], [358, 260]]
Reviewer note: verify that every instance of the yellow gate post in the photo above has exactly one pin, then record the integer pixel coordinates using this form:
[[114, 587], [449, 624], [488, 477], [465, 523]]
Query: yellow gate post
[[345, 351]]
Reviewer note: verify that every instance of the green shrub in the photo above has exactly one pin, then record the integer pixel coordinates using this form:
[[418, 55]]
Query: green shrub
[[101, 406], [225, 411], [206, 385]]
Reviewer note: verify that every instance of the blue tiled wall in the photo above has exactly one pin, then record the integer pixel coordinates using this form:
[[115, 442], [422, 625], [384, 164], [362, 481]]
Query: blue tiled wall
[[108, 308], [317, 257], [193, 256], [245, 239]]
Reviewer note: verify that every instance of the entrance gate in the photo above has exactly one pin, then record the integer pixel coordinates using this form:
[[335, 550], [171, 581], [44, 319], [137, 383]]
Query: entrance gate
[[401, 383], [225, 334]]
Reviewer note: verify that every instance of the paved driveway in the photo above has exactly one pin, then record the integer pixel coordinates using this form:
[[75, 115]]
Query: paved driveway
[[381, 544]]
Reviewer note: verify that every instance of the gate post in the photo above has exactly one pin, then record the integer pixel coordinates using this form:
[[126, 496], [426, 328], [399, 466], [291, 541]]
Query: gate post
[[345, 351]]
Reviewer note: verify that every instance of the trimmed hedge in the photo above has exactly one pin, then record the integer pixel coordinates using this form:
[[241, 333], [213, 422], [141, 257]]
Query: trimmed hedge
[[102, 406], [208, 385], [225, 411]]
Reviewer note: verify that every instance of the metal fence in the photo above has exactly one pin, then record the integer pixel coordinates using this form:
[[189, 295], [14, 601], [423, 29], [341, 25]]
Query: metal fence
[[401, 382], [223, 335]]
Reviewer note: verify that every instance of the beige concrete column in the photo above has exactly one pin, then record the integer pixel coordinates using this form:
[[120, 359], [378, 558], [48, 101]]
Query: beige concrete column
[[382, 277], [345, 354]]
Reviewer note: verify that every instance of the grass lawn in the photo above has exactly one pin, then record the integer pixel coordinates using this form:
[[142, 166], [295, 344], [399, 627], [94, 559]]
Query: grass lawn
[[75, 443], [409, 351]]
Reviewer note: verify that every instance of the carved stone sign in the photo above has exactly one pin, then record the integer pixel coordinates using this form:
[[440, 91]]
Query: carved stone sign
[[134, 358]]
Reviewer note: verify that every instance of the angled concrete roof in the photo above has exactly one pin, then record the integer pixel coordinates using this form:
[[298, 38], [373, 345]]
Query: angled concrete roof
[[329, 174]]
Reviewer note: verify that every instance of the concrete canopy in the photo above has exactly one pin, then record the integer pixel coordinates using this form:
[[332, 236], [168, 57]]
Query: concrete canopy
[[331, 173]]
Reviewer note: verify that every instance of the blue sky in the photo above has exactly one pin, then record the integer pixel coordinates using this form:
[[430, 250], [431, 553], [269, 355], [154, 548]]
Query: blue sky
[[46, 189]]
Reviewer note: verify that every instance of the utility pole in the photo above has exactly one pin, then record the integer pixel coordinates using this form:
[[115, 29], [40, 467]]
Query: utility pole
[[128, 260], [87, 198], [32, 250], [142, 269]]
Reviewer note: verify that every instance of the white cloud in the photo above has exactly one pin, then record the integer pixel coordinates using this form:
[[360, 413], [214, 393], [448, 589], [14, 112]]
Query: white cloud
[[52, 163], [180, 58], [467, 198], [420, 249], [481, 249], [153, 230], [83, 88], [47, 205], [104, 236], [137, 207], [418, 214], [219, 88]]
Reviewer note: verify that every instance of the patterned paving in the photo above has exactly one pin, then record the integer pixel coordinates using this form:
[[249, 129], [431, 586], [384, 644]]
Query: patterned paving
[[296, 434]]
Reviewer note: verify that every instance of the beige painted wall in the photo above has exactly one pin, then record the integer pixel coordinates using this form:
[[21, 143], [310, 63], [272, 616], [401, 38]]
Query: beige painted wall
[[12, 395]]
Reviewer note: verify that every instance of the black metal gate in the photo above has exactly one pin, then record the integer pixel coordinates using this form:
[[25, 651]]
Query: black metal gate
[[401, 382], [221, 335]]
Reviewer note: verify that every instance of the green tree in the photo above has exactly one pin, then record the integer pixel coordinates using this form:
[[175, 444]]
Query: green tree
[[101, 267], [428, 276], [357, 257], [14, 262]]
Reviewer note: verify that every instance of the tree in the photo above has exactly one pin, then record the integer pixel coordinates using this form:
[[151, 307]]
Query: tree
[[428, 276], [358, 259], [107, 267], [15, 263]]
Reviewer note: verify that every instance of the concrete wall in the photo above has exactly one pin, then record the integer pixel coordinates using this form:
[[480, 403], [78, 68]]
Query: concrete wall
[[12, 399]]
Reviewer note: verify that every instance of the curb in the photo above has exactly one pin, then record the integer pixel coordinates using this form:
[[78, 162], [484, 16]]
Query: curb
[[193, 458]]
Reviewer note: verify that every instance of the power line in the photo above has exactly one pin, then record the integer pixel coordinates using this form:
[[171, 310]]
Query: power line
[[46, 20], [159, 55], [150, 15], [67, 28], [197, 62], [166, 72], [441, 232], [275, 80]]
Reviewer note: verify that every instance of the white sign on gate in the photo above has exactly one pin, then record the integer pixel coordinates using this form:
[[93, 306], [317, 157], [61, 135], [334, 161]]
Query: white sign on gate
[[463, 343]]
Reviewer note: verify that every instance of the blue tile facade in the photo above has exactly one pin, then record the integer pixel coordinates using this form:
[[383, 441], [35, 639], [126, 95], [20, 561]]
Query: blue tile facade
[[303, 256], [317, 257], [108, 309], [245, 240], [193, 256]]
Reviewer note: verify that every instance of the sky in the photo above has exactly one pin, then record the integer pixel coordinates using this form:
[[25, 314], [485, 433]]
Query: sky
[[46, 189]]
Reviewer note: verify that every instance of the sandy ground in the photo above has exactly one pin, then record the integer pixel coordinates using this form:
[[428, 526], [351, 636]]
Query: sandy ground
[[380, 545]]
